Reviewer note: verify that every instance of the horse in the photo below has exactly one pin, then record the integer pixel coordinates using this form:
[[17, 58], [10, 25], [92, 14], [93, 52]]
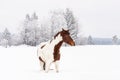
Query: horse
[[49, 52]]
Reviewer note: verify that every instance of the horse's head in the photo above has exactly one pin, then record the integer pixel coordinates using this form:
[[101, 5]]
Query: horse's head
[[66, 37]]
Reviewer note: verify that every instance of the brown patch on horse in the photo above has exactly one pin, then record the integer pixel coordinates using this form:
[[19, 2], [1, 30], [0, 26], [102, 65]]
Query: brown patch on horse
[[57, 51], [43, 62], [42, 46]]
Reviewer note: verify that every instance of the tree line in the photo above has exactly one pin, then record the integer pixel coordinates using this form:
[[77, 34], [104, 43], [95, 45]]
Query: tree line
[[33, 32]]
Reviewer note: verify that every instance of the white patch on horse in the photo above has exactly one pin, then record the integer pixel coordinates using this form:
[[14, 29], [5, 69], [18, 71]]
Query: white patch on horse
[[46, 53], [56, 66]]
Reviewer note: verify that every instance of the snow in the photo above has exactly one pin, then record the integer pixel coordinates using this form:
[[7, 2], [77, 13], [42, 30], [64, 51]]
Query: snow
[[89, 62]]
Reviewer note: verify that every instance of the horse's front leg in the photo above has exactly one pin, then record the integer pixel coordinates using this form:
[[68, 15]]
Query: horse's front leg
[[42, 64], [47, 66], [56, 66]]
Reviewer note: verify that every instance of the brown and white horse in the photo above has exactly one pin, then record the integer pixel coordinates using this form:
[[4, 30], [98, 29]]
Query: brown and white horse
[[49, 52]]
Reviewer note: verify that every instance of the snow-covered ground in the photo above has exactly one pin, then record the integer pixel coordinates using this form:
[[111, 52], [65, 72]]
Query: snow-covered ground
[[77, 63]]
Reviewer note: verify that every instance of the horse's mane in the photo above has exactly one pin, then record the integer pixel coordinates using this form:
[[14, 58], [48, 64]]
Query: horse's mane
[[56, 35]]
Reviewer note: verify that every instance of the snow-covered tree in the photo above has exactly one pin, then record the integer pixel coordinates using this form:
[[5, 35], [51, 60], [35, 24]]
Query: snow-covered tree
[[90, 40], [25, 30], [57, 22], [33, 27], [6, 38], [34, 16], [29, 30], [45, 33], [72, 23], [4, 43], [37, 36], [0, 36], [16, 39], [115, 39]]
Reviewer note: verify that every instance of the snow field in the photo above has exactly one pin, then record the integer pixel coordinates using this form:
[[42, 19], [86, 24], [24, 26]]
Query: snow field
[[77, 63]]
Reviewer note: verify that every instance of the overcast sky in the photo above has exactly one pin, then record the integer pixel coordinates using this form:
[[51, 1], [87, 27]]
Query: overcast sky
[[98, 18]]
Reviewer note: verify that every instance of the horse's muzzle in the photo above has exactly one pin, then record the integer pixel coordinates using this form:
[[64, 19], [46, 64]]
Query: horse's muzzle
[[72, 44]]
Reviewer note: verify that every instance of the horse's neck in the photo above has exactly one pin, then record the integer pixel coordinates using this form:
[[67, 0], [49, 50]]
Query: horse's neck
[[57, 47], [58, 44]]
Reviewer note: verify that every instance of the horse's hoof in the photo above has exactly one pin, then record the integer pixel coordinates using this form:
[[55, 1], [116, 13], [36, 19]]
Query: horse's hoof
[[46, 71], [41, 70]]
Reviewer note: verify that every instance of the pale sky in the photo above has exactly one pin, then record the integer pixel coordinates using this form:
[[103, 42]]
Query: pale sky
[[98, 18]]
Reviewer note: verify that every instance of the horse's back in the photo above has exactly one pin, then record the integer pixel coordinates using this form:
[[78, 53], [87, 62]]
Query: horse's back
[[42, 44]]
